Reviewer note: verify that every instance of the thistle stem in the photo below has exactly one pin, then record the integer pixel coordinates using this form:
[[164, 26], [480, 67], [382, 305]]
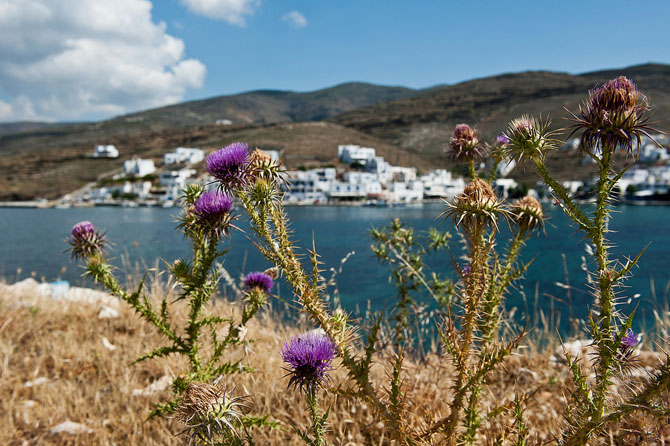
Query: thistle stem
[[471, 168], [606, 303], [317, 426]]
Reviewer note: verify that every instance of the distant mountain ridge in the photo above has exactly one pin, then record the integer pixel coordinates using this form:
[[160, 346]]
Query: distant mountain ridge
[[412, 126], [423, 123]]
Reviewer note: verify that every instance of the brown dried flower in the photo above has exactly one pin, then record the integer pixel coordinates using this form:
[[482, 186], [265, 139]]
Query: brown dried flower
[[209, 411], [527, 213], [478, 204]]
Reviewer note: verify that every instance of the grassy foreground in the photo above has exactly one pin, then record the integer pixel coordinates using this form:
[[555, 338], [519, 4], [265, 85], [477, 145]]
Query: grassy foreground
[[59, 361]]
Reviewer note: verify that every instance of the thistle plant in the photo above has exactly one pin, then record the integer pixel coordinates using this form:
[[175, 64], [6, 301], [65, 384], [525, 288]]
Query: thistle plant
[[465, 146], [405, 253], [309, 358], [203, 338], [212, 416], [612, 120]]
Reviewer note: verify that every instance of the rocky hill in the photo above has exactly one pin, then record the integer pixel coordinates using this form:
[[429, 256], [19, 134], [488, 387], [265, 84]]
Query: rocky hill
[[407, 126], [424, 123]]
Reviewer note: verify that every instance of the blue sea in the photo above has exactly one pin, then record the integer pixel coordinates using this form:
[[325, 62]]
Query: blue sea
[[33, 241]]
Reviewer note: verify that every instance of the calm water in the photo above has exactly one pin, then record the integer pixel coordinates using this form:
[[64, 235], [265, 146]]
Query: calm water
[[34, 240]]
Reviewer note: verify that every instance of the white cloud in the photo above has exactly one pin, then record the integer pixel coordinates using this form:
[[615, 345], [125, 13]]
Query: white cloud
[[84, 59], [231, 11], [295, 19]]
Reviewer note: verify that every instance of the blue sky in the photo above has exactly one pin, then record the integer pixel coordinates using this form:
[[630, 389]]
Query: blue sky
[[416, 43], [86, 59]]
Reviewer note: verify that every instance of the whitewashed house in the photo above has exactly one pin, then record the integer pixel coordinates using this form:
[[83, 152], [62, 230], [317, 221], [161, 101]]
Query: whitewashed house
[[405, 192], [105, 151], [184, 155], [138, 167], [439, 183], [403, 174], [311, 186], [175, 178], [352, 153], [501, 186], [381, 168]]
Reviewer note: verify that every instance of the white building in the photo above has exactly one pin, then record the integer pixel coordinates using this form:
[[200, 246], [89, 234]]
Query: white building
[[351, 153], [403, 174], [439, 183], [175, 178], [224, 122], [105, 151], [184, 155], [505, 167], [139, 167], [650, 153], [381, 168], [139, 189], [311, 186], [501, 186], [405, 192]]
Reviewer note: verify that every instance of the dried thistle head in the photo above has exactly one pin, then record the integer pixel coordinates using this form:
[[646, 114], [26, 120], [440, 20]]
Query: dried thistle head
[[209, 412], [478, 204], [528, 137], [527, 213], [613, 116], [465, 145], [85, 240]]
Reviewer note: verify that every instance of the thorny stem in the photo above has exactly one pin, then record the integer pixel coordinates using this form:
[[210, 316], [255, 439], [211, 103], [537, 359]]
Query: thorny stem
[[605, 298], [568, 205], [474, 287], [317, 428], [279, 250], [471, 168]]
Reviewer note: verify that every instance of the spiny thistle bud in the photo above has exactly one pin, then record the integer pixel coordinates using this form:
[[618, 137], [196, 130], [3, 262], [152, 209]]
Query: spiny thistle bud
[[502, 140], [613, 116], [213, 210], [85, 241], [262, 191], [527, 213], [528, 137], [629, 341], [478, 204], [260, 281], [309, 358], [258, 159], [208, 412], [230, 166], [465, 144]]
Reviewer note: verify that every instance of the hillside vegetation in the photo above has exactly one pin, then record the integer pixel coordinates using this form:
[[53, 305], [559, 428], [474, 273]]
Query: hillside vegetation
[[407, 126]]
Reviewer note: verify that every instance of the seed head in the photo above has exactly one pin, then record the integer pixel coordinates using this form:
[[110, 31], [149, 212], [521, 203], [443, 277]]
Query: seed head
[[613, 116], [527, 212], [478, 204], [309, 357], [259, 280], [85, 240], [528, 137], [230, 166], [465, 144], [209, 411]]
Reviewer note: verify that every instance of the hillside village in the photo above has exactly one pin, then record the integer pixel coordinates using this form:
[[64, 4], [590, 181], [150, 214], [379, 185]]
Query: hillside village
[[361, 177]]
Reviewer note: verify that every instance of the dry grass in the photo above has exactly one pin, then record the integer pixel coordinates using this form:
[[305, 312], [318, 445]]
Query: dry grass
[[90, 384]]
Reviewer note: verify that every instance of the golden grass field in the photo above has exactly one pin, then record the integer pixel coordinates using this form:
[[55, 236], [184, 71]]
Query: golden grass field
[[54, 367]]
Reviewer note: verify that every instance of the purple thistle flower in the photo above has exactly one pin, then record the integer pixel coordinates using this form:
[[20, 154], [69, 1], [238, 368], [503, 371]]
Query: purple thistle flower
[[630, 340], [230, 165], [502, 140], [85, 240], [309, 357], [259, 280], [212, 206], [465, 143], [83, 229]]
